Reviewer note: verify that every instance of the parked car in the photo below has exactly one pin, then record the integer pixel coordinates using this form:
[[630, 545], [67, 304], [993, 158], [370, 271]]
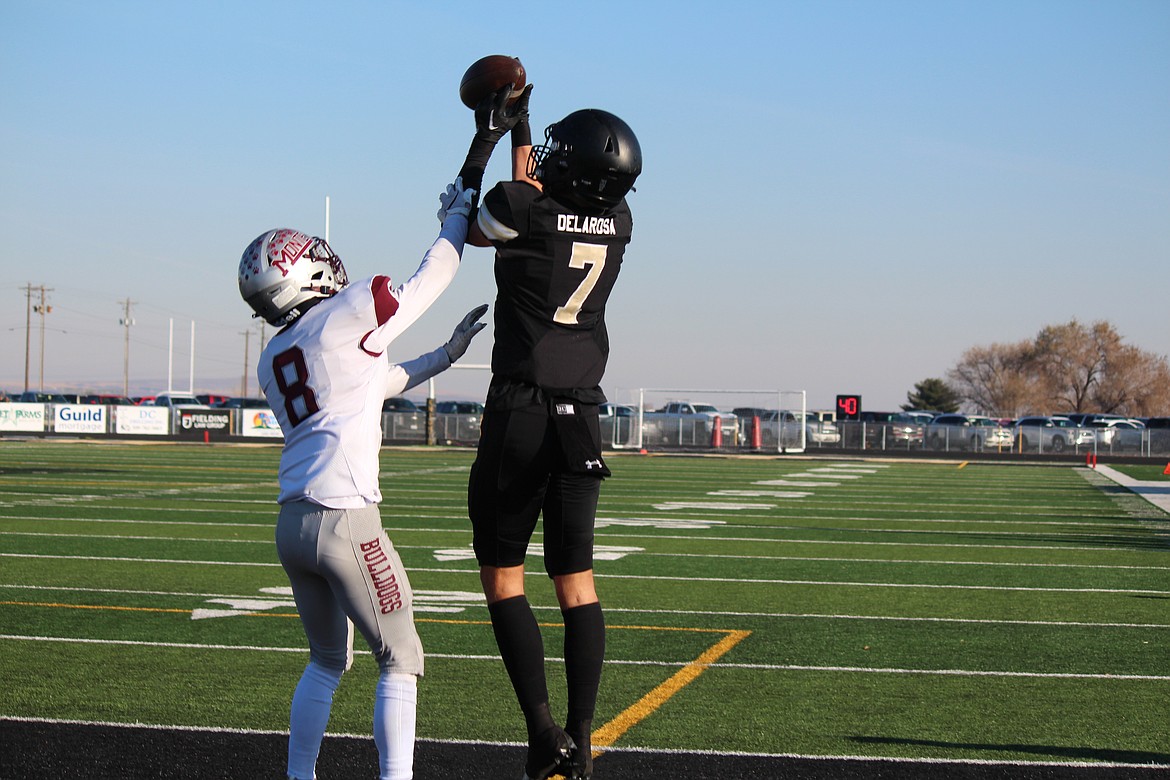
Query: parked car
[[817, 431], [1118, 434], [405, 420], [1084, 418], [690, 423], [783, 429], [457, 422], [747, 417], [400, 404], [36, 397], [618, 424], [967, 432], [608, 410], [106, 398], [1051, 434], [919, 416], [211, 399], [178, 401], [886, 430], [728, 422], [1159, 432], [243, 403], [459, 407]]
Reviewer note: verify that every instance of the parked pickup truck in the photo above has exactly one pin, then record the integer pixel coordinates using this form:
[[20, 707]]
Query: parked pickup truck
[[688, 423]]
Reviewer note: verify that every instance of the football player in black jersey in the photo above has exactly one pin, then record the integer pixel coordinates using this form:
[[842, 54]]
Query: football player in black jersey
[[560, 229]]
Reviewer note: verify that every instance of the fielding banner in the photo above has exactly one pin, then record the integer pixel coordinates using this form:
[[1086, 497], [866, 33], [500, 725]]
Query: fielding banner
[[22, 417], [203, 423], [142, 420], [80, 418]]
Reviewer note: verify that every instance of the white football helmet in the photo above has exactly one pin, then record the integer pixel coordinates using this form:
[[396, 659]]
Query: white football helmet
[[284, 272]]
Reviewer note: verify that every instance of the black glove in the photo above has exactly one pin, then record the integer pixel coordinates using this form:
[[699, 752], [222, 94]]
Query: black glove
[[495, 116]]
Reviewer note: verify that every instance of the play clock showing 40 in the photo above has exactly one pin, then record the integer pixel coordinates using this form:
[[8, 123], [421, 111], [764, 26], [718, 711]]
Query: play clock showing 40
[[848, 407]]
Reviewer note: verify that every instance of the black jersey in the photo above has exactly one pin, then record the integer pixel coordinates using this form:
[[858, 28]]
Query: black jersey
[[554, 271]]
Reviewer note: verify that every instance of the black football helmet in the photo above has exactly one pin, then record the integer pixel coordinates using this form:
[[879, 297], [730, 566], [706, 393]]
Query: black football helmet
[[589, 160]]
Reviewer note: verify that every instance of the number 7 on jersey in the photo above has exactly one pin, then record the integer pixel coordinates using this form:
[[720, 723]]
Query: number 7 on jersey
[[591, 256]]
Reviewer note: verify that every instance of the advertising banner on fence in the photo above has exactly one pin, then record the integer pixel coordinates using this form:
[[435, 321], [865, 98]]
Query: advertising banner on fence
[[80, 418], [142, 420], [203, 423], [22, 417], [259, 423]]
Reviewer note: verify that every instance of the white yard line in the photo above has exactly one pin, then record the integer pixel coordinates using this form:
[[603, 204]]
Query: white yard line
[[613, 661], [650, 611], [658, 578], [797, 558]]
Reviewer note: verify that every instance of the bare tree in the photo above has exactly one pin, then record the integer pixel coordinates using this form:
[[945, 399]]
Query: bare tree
[[1071, 359], [998, 380], [1066, 368], [1134, 383]]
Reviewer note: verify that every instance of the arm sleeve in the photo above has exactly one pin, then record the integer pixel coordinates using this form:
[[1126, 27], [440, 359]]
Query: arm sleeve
[[499, 217], [417, 293], [476, 162], [412, 373]]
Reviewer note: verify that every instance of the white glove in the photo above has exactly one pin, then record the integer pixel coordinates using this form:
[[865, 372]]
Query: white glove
[[464, 332], [455, 200]]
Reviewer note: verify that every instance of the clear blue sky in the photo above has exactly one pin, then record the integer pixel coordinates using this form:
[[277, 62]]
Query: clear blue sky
[[840, 197]]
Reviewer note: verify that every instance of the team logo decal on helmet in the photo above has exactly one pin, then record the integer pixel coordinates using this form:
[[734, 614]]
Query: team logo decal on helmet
[[284, 272], [590, 160]]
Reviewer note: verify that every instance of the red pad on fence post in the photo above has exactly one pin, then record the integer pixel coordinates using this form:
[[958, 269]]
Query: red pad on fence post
[[758, 439], [717, 433]]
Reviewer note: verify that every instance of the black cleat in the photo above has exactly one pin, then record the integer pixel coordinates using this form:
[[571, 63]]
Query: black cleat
[[580, 763], [548, 753]]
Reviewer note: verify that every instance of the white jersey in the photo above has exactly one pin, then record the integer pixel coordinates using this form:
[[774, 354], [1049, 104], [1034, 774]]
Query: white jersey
[[326, 375]]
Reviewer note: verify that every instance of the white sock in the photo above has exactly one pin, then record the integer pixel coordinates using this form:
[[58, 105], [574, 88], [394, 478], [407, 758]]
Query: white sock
[[308, 718], [395, 708]]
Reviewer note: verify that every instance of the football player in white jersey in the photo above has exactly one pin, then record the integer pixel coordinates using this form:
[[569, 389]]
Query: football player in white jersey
[[325, 375]]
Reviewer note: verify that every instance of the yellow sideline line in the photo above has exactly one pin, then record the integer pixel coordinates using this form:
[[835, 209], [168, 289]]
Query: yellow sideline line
[[611, 732], [90, 606]]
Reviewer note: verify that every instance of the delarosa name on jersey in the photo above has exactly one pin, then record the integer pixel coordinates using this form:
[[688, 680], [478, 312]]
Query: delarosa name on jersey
[[595, 226]]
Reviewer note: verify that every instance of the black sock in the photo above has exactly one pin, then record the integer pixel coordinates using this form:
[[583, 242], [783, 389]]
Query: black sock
[[584, 656], [522, 647]]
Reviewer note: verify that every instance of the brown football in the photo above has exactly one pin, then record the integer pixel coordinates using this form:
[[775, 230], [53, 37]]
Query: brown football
[[487, 75]]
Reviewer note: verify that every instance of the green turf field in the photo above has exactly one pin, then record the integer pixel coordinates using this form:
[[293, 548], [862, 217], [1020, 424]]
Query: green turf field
[[783, 606]]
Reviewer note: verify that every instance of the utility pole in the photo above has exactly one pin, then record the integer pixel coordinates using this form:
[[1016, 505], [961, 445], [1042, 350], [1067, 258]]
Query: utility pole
[[126, 322], [244, 384], [28, 288], [42, 309], [248, 367]]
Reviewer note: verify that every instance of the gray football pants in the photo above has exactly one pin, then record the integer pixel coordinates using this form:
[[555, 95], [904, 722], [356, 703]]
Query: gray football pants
[[341, 564]]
